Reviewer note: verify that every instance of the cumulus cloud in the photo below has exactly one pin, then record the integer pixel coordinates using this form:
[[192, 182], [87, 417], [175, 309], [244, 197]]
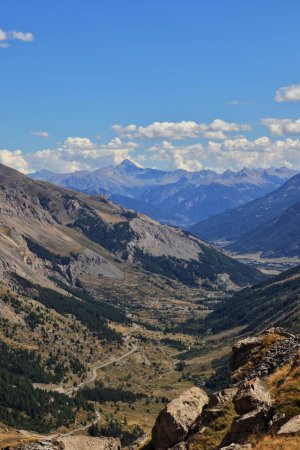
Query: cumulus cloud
[[43, 134], [15, 159], [230, 154], [177, 157], [77, 153], [6, 36], [288, 93], [282, 127], [180, 130]]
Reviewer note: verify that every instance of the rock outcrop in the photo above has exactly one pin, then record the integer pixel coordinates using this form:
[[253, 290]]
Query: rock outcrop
[[251, 395], [232, 418], [175, 419], [259, 357]]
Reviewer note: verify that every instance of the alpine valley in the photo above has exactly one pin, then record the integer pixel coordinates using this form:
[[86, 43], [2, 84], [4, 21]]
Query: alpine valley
[[110, 319]]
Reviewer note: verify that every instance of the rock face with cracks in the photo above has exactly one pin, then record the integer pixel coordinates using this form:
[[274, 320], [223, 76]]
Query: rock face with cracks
[[251, 395], [174, 420]]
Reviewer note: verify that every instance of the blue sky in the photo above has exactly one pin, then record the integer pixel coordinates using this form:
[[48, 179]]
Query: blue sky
[[71, 70]]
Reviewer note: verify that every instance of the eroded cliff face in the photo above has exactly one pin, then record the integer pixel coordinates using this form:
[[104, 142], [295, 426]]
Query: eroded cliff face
[[261, 406]]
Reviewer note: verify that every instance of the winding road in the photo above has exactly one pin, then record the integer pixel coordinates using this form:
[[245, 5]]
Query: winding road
[[95, 370]]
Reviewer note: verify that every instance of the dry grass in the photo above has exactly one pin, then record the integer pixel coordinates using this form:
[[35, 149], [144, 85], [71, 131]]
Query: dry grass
[[278, 443], [14, 440], [284, 385], [268, 341], [214, 434]]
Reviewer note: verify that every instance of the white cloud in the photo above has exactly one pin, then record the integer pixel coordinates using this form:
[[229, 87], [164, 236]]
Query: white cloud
[[78, 153], [43, 134], [288, 93], [15, 159], [179, 130], [14, 35], [20, 36], [177, 157], [230, 154], [282, 127]]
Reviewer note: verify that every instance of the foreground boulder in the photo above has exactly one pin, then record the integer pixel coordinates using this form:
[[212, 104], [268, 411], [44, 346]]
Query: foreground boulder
[[173, 422], [251, 395], [254, 422], [291, 427]]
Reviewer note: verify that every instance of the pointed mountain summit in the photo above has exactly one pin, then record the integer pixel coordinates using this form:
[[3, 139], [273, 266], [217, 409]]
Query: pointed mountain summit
[[127, 164]]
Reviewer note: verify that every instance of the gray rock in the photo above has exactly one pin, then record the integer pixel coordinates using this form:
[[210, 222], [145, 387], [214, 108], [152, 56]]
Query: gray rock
[[174, 421], [243, 427], [251, 395], [291, 427], [221, 397], [241, 351]]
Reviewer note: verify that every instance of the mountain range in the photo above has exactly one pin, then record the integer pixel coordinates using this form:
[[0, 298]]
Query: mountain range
[[179, 197], [269, 225], [46, 229]]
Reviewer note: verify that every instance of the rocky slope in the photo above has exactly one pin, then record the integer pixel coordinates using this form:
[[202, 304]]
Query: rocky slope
[[179, 197], [47, 230], [259, 408]]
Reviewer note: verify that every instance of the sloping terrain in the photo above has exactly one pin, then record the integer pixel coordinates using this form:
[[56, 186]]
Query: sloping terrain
[[233, 225], [46, 230], [275, 302], [279, 237], [179, 197]]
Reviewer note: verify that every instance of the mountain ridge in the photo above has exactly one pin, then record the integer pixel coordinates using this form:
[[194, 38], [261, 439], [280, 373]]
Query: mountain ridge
[[268, 225], [177, 197], [90, 232]]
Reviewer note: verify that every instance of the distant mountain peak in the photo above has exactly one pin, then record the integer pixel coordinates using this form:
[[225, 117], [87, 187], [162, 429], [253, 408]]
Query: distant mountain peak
[[128, 164]]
